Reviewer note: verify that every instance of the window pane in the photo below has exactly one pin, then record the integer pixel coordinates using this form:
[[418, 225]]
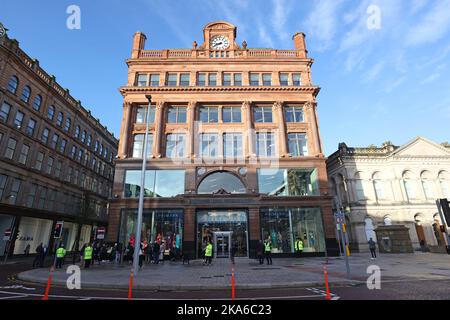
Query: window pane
[[212, 79], [154, 80], [227, 79], [142, 80], [237, 79], [267, 79], [284, 79], [232, 143], [201, 81], [175, 145], [140, 114], [254, 79], [4, 112], [11, 148], [221, 181], [184, 79], [172, 80], [296, 79], [169, 183], [133, 182], [297, 144]]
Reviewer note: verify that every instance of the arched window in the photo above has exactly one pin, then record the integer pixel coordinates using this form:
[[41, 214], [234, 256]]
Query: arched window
[[67, 124], [359, 188], [51, 112], [221, 182], [13, 84], [427, 185], [37, 103], [444, 182], [409, 185], [77, 132], [59, 119], [26, 93], [378, 186], [369, 229]]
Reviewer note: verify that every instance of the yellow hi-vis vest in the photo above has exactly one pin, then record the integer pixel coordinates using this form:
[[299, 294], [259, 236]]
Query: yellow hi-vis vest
[[88, 253], [267, 247], [208, 250], [60, 253], [298, 245]]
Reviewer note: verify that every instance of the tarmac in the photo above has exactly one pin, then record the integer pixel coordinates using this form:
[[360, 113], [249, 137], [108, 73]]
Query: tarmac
[[249, 274]]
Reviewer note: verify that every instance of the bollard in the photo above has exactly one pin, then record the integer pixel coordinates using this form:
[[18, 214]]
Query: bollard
[[49, 281], [130, 288], [233, 290], [327, 287]]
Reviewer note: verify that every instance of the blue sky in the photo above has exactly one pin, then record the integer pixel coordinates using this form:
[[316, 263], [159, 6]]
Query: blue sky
[[391, 83]]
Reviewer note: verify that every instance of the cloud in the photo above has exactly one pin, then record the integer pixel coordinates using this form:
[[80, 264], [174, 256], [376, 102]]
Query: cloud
[[281, 11], [434, 25]]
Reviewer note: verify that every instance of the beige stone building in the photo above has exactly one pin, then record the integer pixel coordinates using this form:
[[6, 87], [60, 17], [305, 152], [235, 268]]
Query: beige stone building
[[235, 153], [392, 185]]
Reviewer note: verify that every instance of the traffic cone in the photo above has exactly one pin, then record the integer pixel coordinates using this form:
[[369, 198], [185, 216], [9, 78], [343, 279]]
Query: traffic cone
[[130, 288], [327, 287]]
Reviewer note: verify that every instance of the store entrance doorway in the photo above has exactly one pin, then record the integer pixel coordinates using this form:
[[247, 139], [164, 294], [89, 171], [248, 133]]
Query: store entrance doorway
[[222, 244]]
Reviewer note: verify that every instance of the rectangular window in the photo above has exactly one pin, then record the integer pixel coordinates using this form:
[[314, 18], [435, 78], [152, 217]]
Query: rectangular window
[[14, 193], [54, 141], [171, 80], [58, 168], [284, 79], [51, 199], [31, 126], [29, 202], [293, 114], [154, 80], [212, 80], [265, 144], [184, 79], [142, 80], [288, 182], [231, 114], [176, 144], [201, 80], [69, 174], [232, 145], [75, 177], [39, 160], [42, 197], [2, 185], [209, 144], [4, 112], [49, 165], [298, 146], [141, 114], [10, 148], [24, 154], [138, 146], [209, 114], [62, 146], [267, 79], [238, 79], [254, 79], [176, 115], [19, 119], [226, 79], [44, 137], [262, 114], [73, 152], [296, 79]]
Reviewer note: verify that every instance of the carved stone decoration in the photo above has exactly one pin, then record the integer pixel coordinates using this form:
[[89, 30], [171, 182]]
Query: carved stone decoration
[[221, 191], [191, 105], [278, 105], [244, 45], [246, 105], [159, 105], [194, 44]]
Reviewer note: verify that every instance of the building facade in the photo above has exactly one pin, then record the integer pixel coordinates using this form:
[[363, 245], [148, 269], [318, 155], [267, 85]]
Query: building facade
[[392, 185], [234, 153], [56, 159]]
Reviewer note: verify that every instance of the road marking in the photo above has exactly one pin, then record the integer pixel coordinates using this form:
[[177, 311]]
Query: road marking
[[14, 297], [18, 287]]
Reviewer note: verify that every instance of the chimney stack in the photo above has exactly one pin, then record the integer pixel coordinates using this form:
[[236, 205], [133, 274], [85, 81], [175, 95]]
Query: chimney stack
[[300, 44], [138, 44]]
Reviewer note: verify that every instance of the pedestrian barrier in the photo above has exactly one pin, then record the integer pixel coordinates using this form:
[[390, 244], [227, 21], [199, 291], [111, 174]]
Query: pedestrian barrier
[[327, 287], [130, 288], [49, 281]]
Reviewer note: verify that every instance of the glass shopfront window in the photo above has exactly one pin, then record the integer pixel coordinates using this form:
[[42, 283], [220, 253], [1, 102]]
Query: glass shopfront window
[[158, 183], [288, 182], [233, 221], [162, 225], [285, 225]]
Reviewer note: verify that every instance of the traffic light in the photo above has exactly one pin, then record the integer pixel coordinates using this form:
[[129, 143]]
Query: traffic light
[[445, 210], [58, 230]]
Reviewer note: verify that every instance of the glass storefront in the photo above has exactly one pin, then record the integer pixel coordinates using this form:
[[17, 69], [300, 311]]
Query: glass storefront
[[285, 225], [158, 183], [234, 221], [32, 231], [288, 182], [162, 225]]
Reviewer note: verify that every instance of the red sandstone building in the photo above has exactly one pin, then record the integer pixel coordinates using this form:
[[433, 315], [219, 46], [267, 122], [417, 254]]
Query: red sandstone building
[[234, 155]]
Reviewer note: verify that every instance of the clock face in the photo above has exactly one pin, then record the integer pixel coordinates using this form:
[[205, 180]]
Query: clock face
[[220, 43]]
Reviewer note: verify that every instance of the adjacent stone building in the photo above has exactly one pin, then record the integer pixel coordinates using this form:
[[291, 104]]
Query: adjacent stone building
[[235, 153], [56, 159], [392, 185]]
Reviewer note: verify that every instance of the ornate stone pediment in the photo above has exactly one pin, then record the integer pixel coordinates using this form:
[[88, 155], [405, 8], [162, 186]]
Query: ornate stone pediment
[[421, 147]]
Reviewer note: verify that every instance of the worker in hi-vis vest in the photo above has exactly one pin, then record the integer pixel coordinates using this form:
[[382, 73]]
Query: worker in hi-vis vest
[[88, 255], [298, 246], [208, 253], [268, 250], [60, 254]]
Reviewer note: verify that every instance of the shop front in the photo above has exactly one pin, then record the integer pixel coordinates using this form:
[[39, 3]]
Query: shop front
[[32, 231]]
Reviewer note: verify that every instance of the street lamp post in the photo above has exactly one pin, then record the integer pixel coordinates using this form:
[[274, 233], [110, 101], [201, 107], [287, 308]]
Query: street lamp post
[[137, 243]]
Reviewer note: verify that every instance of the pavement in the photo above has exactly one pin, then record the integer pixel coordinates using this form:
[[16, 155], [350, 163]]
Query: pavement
[[283, 273]]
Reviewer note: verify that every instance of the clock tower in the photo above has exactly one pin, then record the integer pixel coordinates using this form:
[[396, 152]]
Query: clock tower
[[219, 35]]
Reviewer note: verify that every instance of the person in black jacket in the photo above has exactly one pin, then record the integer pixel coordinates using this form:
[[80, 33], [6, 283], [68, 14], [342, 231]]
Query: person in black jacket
[[37, 259], [156, 248], [260, 252]]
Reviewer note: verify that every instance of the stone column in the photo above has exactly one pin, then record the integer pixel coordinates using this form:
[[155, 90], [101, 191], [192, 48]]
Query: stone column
[[125, 130], [249, 147], [191, 130], [159, 117], [314, 131], [282, 143]]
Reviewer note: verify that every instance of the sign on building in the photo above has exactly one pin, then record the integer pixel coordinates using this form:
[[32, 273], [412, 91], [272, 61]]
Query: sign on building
[[101, 233], [7, 235]]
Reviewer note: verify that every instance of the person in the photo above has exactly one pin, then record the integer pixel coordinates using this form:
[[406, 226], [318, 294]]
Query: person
[[162, 250], [208, 253], [81, 253], [185, 255], [60, 254], [298, 246], [141, 255], [233, 251], [149, 253], [37, 258], [87, 255], [268, 250], [372, 248], [260, 252], [27, 250], [44, 254], [156, 248]]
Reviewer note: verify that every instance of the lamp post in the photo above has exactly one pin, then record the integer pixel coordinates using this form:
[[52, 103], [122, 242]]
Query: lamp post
[[137, 243]]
